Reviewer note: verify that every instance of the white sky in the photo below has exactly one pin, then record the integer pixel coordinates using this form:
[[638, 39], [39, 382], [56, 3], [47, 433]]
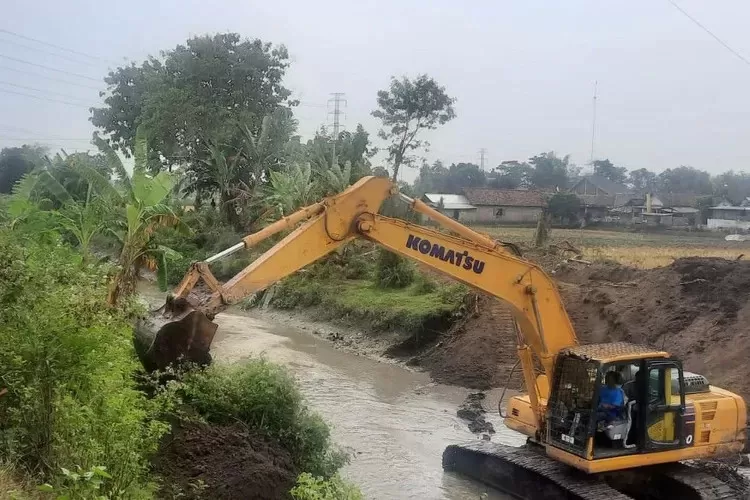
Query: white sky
[[523, 71]]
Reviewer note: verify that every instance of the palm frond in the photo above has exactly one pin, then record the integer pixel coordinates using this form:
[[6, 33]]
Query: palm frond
[[114, 162], [48, 183]]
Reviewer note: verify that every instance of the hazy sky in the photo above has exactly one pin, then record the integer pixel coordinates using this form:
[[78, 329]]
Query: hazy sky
[[522, 71]]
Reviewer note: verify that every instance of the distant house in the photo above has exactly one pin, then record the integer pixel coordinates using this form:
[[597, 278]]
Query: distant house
[[727, 216], [598, 195], [452, 205], [670, 209], [497, 206], [489, 206]]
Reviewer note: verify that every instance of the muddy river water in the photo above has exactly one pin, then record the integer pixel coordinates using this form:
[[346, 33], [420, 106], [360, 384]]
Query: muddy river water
[[394, 422]]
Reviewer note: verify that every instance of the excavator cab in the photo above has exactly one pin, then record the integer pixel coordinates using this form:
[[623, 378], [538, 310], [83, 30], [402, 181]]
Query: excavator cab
[[650, 415]]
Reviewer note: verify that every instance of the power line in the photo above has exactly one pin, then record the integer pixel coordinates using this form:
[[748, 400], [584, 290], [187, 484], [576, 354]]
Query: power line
[[49, 68], [715, 37], [49, 99], [29, 47], [47, 77], [59, 47], [40, 90]]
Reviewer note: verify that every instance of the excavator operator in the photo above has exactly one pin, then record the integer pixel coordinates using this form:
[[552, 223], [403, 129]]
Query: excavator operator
[[611, 398]]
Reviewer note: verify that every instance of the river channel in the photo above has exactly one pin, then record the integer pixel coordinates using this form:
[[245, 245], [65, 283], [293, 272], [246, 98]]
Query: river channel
[[394, 421]]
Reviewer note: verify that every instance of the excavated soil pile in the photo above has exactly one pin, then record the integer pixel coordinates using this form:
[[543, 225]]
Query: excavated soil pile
[[698, 309], [479, 351], [201, 461]]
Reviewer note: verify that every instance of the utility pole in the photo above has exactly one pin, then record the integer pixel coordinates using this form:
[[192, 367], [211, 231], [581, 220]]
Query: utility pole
[[337, 100], [482, 153], [593, 125]]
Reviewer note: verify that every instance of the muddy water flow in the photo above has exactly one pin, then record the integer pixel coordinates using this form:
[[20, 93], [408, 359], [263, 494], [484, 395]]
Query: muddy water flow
[[393, 421]]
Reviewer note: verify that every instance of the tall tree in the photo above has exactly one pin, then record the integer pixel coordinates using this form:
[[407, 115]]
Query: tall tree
[[607, 169], [733, 186], [685, 180], [549, 170], [407, 108], [511, 174], [197, 90], [464, 175], [432, 178], [17, 162], [642, 180]]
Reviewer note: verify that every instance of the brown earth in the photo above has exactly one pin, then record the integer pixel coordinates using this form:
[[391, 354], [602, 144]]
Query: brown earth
[[223, 462], [698, 309]]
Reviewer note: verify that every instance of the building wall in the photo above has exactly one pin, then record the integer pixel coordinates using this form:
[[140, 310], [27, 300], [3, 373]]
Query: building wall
[[743, 215], [728, 224], [489, 214]]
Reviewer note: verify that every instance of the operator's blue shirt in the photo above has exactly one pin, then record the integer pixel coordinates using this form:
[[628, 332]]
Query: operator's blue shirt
[[615, 397]]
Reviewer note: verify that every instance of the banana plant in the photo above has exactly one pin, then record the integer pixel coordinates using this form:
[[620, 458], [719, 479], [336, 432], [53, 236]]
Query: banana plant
[[145, 211], [41, 201]]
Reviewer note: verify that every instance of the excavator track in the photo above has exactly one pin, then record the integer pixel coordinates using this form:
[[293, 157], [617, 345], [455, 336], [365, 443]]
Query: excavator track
[[699, 485], [525, 473]]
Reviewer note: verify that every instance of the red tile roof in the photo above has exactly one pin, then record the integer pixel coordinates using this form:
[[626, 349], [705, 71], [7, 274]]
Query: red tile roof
[[506, 197]]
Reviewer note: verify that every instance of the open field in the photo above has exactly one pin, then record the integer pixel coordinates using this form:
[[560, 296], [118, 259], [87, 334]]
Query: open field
[[644, 250]]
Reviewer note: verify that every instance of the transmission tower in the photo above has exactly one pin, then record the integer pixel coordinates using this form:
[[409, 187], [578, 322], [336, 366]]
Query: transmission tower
[[482, 153], [593, 124], [337, 100]]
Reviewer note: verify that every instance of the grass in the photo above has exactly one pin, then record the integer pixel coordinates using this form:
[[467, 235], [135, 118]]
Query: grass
[[407, 309], [643, 249], [14, 487]]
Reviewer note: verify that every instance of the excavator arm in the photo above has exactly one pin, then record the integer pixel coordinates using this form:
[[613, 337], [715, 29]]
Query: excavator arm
[[467, 256]]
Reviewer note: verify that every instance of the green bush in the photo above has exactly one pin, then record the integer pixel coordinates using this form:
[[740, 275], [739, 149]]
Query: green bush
[[423, 284], [265, 397], [68, 363], [309, 487], [393, 271], [298, 291]]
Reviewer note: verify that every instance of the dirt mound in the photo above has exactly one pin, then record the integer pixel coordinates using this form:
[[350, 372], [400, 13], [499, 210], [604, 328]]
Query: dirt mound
[[479, 351], [698, 309], [201, 461]]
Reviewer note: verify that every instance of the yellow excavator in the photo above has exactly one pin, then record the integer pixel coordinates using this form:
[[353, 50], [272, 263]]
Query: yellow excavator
[[575, 449]]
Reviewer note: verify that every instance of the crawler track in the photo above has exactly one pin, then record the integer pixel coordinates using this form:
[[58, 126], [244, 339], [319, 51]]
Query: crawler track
[[528, 474], [525, 473]]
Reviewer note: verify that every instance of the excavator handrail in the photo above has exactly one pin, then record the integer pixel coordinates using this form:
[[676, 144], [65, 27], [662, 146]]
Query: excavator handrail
[[468, 256]]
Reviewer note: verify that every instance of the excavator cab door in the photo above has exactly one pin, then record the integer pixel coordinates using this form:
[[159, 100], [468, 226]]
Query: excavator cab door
[[661, 422]]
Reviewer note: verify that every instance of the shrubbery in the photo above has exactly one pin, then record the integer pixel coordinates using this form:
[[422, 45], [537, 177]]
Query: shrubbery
[[68, 364], [263, 396], [317, 488], [393, 271]]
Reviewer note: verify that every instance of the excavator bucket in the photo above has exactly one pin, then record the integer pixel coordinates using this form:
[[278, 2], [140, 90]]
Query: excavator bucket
[[174, 333]]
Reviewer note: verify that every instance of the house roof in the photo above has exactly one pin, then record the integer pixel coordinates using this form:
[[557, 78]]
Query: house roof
[[730, 208], [606, 185], [450, 201], [505, 197]]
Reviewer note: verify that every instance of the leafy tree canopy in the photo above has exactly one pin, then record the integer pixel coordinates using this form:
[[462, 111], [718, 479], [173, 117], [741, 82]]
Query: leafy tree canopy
[[607, 169], [17, 162], [549, 170], [199, 89], [408, 108]]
